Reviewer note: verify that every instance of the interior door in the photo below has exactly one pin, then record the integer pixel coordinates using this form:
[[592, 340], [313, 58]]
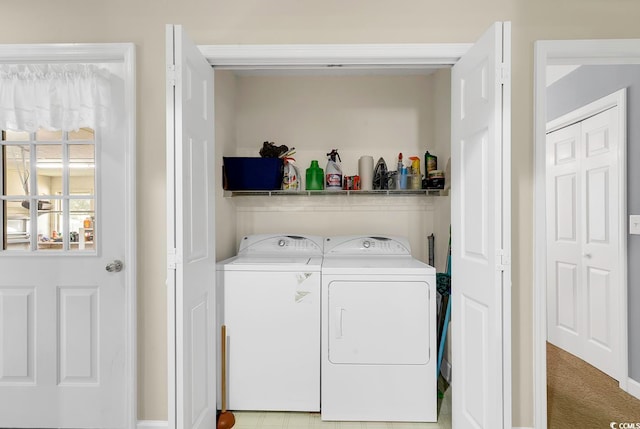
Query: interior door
[[480, 206], [582, 240], [63, 316], [191, 233]]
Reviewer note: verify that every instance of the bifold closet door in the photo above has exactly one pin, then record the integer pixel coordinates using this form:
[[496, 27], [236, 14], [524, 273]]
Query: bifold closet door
[[582, 240]]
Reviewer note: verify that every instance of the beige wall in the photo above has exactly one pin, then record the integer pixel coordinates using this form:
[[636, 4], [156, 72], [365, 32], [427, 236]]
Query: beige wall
[[328, 21], [366, 114]]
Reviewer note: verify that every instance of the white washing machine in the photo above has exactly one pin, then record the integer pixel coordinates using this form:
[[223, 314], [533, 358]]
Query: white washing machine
[[379, 351], [270, 294]]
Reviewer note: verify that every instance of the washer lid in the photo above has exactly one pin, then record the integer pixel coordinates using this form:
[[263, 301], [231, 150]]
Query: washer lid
[[266, 263], [383, 265]]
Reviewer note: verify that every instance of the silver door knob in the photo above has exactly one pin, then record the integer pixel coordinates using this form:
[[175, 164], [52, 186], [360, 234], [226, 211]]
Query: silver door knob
[[587, 255], [114, 267]]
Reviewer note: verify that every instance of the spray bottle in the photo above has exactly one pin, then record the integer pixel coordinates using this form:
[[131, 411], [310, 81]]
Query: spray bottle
[[333, 172]]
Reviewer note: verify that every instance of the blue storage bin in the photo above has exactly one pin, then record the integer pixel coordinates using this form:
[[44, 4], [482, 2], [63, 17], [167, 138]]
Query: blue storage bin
[[251, 174]]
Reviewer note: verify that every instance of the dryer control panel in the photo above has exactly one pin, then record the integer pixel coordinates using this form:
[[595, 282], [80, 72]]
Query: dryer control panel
[[366, 245], [278, 244]]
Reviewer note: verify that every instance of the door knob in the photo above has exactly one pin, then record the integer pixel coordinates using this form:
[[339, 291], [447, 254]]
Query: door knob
[[587, 255], [114, 267]]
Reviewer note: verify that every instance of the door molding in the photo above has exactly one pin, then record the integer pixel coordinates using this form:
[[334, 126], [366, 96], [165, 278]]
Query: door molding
[[106, 53], [559, 52], [326, 57]]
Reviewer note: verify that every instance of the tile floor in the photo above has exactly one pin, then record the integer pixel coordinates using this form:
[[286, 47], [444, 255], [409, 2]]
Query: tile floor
[[290, 420]]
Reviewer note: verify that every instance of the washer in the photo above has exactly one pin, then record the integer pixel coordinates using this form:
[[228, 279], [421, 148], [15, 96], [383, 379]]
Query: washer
[[271, 306], [378, 332]]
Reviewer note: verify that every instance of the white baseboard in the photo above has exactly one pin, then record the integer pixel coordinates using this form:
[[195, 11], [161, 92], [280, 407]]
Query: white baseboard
[[152, 424], [445, 370], [159, 424], [633, 388]]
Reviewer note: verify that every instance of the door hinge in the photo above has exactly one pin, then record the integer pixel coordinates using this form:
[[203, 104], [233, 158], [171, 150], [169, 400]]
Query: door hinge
[[505, 73], [172, 259], [503, 259], [171, 75]]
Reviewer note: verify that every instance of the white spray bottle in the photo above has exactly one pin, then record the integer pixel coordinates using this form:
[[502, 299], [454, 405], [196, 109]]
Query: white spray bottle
[[333, 172]]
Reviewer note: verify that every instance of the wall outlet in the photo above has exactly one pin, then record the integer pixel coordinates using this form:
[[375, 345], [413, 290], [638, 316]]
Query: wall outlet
[[634, 224]]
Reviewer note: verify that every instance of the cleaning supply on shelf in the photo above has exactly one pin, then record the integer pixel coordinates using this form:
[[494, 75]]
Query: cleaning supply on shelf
[[380, 175], [416, 176], [402, 179], [430, 162], [435, 179], [291, 176], [333, 172], [365, 171], [399, 173], [314, 177]]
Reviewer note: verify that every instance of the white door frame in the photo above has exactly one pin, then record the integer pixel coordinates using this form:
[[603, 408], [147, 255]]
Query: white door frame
[[106, 53], [567, 52], [348, 56]]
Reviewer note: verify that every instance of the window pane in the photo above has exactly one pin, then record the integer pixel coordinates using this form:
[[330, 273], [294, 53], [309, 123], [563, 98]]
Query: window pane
[[46, 135], [50, 224], [49, 169], [17, 229], [81, 169], [16, 167], [16, 136], [82, 224], [82, 134]]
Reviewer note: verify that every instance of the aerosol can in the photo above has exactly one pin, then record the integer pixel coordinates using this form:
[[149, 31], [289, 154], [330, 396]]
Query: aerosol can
[[333, 172]]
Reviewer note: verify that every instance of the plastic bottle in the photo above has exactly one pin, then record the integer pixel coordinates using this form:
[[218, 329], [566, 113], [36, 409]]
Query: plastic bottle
[[430, 162], [315, 177], [291, 176], [416, 176], [403, 177], [333, 172]]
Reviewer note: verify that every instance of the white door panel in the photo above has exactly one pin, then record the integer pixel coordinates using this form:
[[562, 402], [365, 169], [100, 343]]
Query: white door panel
[[64, 319], [379, 323], [274, 315], [480, 171], [582, 239], [191, 239]]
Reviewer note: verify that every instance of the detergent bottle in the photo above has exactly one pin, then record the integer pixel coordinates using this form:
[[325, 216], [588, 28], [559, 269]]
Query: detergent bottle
[[416, 176], [315, 177], [333, 172], [291, 176]]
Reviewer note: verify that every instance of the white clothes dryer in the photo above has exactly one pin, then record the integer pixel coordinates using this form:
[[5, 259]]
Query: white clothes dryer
[[378, 348], [270, 295]]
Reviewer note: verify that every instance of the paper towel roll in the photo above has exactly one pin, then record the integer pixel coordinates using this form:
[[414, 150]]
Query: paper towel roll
[[365, 171]]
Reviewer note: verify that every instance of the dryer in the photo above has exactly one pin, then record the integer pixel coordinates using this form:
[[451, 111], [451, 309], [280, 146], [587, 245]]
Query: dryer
[[270, 295], [378, 347]]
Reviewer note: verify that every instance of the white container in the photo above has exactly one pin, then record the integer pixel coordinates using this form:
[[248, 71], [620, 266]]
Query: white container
[[365, 171]]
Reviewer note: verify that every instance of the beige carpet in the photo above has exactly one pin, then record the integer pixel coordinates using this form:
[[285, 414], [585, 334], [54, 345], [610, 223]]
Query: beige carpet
[[581, 396]]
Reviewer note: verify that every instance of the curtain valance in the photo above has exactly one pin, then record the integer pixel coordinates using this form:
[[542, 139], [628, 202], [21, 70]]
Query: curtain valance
[[63, 97]]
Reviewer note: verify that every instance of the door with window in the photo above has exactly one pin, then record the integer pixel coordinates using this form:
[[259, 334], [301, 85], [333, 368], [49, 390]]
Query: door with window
[[64, 292]]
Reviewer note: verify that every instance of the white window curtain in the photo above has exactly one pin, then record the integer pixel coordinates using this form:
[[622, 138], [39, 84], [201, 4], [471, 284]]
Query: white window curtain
[[63, 97]]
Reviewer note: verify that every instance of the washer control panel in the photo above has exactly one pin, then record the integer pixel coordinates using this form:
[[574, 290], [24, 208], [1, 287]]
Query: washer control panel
[[279, 244]]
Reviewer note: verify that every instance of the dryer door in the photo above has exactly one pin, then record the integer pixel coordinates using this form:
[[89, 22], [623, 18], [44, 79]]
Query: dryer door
[[378, 322]]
